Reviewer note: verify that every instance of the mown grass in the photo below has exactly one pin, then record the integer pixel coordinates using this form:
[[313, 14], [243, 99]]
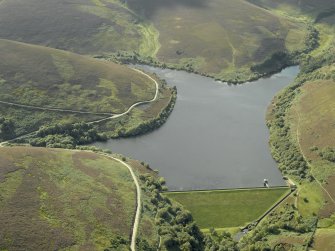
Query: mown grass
[[58, 199], [227, 208]]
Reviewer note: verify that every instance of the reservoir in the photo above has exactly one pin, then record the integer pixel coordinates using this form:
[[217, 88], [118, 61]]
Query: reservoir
[[216, 136]]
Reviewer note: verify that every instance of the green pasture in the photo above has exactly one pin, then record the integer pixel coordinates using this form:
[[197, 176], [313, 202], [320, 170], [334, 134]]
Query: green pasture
[[228, 208]]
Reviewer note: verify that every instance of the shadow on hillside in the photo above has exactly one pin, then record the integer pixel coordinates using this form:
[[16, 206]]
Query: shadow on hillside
[[148, 8]]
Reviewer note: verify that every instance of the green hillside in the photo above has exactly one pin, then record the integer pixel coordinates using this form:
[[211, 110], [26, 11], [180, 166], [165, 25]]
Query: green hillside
[[82, 26], [213, 37], [217, 37], [54, 199], [40, 76], [303, 8], [63, 200]]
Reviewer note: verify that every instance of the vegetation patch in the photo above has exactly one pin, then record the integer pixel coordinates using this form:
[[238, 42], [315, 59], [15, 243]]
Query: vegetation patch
[[324, 239], [227, 208], [66, 136], [44, 77], [215, 29], [142, 119], [59, 199]]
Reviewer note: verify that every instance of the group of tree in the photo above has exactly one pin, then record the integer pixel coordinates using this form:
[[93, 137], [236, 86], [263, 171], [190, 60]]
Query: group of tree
[[66, 135], [284, 150], [7, 129], [328, 153], [176, 227]]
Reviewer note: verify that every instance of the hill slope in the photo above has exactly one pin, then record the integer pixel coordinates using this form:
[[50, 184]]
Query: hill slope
[[54, 199], [214, 37], [46, 77], [82, 26], [309, 8], [58, 199], [220, 38]]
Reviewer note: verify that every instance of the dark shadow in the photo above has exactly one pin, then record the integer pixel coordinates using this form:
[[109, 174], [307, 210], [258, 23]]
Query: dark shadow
[[148, 8]]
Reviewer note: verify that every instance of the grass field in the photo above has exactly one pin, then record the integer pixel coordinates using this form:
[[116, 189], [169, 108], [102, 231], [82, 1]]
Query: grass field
[[59, 199], [227, 208]]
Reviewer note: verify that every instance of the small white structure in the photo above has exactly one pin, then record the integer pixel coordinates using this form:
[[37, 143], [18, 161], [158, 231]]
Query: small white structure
[[266, 183]]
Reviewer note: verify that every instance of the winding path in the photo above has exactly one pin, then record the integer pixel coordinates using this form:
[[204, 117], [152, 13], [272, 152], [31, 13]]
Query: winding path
[[138, 202], [134, 105], [111, 115]]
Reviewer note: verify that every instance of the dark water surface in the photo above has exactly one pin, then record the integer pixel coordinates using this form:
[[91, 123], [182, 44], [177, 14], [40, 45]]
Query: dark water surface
[[216, 136]]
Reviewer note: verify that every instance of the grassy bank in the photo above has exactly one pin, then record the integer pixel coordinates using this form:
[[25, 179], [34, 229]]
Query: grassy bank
[[227, 208]]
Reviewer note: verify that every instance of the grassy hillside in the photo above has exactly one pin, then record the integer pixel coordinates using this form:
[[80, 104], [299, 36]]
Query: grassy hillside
[[54, 199], [231, 208], [304, 8], [217, 37], [313, 119], [82, 26], [58, 199], [212, 37], [46, 77]]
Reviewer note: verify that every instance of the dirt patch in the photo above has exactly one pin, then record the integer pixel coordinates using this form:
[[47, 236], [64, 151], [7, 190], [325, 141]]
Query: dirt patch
[[117, 214], [142, 169], [6, 167]]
